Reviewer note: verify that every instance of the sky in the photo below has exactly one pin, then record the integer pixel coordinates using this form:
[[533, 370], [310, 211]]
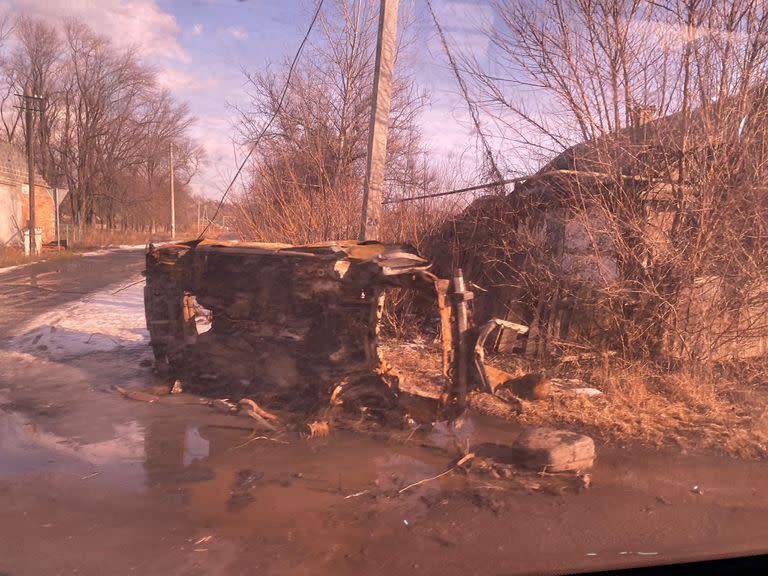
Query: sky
[[200, 48]]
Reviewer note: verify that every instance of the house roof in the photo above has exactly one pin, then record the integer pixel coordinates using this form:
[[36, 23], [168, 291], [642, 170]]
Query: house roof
[[651, 151]]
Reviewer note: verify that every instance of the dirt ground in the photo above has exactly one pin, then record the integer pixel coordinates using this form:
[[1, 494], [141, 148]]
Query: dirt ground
[[93, 483], [635, 405]]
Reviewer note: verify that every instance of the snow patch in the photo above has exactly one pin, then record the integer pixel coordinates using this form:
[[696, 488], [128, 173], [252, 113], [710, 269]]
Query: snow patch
[[9, 268], [121, 247], [101, 322], [24, 265]]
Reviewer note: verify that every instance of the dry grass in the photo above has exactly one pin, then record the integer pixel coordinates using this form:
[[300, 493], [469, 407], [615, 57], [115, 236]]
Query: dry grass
[[417, 363], [631, 410], [640, 404], [15, 257], [12, 257]]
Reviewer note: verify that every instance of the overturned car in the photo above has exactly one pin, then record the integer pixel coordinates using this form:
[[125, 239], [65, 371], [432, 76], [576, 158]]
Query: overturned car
[[296, 327]]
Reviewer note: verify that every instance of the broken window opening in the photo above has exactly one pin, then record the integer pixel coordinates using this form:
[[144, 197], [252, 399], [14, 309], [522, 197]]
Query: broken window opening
[[199, 318]]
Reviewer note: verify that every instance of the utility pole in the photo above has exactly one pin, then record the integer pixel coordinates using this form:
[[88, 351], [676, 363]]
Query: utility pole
[[173, 203], [379, 123], [30, 100]]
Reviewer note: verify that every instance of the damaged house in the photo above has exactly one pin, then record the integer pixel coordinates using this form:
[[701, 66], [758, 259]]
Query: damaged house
[[649, 242]]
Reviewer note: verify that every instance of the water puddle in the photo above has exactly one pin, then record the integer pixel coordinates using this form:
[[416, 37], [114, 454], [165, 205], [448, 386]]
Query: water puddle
[[174, 448], [136, 455]]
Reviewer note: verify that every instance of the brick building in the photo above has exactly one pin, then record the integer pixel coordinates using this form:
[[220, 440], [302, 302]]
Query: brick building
[[14, 199]]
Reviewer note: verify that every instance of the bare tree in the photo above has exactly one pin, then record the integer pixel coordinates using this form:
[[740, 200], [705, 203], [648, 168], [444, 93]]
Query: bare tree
[[306, 179], [8, 115], [115, 123], [105, 128], [650, 120], [36, 62]]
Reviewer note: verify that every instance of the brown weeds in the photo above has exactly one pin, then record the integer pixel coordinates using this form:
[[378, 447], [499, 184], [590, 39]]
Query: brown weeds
[[640, 403]]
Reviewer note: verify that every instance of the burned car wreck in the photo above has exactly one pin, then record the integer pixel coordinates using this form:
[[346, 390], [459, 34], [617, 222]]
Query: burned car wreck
[[297, 327]]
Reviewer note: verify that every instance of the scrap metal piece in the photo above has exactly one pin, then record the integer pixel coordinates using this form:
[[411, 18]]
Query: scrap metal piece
[[489, 379], [316, 429], [136, 395], [248, 404], [223, 405], [460, 297]]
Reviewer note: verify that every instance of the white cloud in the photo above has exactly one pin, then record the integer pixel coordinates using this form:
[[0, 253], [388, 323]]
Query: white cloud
[[127, 22], [174, 79], [675, 36], [213, 133], [177, 80], [236, 32]]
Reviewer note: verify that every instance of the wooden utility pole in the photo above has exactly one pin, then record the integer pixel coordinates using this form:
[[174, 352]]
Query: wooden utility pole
[[29, 116], [173, 202], [461, 358], [379, 124]]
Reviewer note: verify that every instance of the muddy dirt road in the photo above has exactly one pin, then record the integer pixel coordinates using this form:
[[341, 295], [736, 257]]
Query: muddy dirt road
[[30, 290], [92, 483]]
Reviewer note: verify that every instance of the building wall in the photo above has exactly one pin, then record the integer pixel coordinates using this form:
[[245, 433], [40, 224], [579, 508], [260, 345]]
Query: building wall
[[588, 254], [45, 212], [14, 200], [10, 214]]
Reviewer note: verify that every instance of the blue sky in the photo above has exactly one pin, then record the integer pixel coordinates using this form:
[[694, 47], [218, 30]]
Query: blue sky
[[200, 47]]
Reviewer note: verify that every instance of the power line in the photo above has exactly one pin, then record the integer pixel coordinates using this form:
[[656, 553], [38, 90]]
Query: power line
[[268, 124], [458, 191], [472, 108], [572, 173]]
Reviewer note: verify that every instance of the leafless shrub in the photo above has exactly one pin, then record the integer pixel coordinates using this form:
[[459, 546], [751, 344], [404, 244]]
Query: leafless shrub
[[305, 182]]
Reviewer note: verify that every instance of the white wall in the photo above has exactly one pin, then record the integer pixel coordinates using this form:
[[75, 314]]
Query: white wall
[[10, 214]]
